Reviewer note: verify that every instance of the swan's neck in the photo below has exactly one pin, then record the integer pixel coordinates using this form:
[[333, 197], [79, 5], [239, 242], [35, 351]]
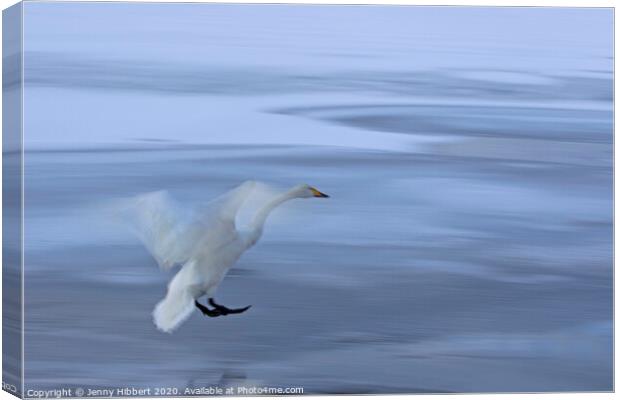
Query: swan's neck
[[256, 227]]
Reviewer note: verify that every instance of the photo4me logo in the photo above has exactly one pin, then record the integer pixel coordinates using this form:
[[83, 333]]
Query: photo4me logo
[[9, 387]]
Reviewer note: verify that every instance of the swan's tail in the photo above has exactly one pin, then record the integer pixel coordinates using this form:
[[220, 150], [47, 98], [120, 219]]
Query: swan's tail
[[175, 308]]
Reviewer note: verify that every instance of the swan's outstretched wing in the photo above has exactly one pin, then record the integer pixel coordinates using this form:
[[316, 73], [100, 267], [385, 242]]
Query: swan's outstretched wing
[[157, 220], [173, 234], [224, 208]]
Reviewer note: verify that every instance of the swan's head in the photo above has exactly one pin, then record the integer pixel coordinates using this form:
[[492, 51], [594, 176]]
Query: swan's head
[[306, 191]]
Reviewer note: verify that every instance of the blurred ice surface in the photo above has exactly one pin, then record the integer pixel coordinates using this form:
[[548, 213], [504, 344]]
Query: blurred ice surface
[[467, 245]]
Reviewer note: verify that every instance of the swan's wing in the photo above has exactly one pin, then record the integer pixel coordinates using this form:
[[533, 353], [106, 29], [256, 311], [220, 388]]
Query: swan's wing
[[159, 223], [173, 235], [214, 223], [224, 208]]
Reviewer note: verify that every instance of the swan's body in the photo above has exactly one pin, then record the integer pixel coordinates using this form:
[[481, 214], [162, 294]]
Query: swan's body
[[206, 247]]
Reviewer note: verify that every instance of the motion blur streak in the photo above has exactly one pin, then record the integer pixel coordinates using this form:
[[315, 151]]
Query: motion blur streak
[[467, 243]]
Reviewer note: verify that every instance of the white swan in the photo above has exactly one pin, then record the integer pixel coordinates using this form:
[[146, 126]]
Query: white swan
[[207, 244]]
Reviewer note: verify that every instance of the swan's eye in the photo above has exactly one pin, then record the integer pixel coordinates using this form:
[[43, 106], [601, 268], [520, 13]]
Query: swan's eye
[[316, 193]]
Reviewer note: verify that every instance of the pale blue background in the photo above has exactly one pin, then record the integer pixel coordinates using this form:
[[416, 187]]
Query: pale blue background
[[467, 245]]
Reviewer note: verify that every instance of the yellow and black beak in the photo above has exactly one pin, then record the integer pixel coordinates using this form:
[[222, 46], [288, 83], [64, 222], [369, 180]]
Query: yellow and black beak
[[316, 193]]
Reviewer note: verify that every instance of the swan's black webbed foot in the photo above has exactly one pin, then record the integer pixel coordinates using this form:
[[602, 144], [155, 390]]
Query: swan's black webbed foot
[[206, 311], [225, 310]]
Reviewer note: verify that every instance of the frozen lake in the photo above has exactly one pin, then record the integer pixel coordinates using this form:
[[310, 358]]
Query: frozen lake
[[466, 246], [422, 272]]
